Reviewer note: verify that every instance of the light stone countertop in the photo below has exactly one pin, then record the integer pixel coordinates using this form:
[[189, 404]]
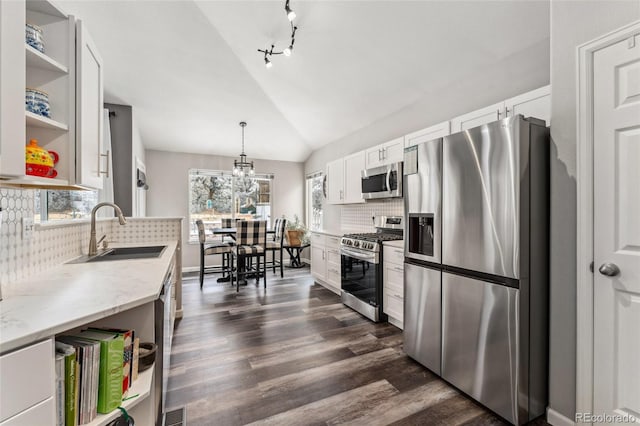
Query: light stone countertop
[[395, 243], [331, 232], [70, 295]]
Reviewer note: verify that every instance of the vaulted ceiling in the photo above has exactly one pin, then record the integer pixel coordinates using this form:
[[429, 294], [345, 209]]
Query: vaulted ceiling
[[191, 70]]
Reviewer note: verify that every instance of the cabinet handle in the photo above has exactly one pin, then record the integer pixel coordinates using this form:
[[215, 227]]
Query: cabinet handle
[[384, 153], [322, 254], [507, 112], [100, 172]]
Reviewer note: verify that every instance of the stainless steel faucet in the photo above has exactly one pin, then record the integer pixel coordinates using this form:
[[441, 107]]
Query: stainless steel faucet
[[93, 246]]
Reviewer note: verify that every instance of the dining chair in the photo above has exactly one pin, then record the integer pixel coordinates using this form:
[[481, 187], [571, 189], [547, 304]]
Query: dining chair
[[227, 222], [276, 244], [209, 249], [251, 239]]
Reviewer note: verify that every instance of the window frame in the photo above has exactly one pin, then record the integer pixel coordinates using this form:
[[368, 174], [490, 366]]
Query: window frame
[[308, 204], [193, 238]]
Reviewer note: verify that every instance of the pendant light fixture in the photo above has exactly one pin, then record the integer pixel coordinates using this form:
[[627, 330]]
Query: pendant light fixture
[[291, 15], [243, 167]]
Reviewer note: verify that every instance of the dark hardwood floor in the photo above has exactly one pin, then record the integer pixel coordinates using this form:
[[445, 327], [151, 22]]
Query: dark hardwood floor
[[294, 355]]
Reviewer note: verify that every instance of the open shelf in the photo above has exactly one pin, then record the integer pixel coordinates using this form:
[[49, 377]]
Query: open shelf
[[141, 387], [28, 181], [38, 59], [36, 120], [46, 8]]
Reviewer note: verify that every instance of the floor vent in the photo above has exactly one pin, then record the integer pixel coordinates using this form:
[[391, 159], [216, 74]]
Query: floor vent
[[177, 417]]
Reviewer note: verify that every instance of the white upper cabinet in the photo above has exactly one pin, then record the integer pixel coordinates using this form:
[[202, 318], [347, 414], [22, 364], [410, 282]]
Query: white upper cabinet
[[344, 179], [478, 117], [386, 153], [92, 162], [12, 84], [69, 71], [335, 182], [536, 103], [353, 166], [433, 132]]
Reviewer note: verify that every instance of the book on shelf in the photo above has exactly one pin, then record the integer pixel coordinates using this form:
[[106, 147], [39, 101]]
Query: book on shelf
[[111, 356], [88, 357], [134, 361], [127, 361], [70, 382], [59, 389]]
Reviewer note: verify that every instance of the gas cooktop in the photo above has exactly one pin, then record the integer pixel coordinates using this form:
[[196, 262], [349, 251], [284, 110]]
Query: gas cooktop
[[374, 236]]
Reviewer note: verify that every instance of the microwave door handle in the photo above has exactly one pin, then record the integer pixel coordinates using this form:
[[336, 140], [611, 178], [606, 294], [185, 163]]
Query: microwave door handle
[[389, 180]]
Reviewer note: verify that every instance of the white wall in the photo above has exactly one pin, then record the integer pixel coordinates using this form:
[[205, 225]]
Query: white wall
[[527, 70], [167, 176], [572, 24]]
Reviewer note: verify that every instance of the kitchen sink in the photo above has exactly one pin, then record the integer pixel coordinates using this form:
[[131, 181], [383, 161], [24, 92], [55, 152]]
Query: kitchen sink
[[123, 253]]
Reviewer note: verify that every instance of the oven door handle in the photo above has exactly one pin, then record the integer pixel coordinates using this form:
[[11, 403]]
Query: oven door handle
[[370, 257]]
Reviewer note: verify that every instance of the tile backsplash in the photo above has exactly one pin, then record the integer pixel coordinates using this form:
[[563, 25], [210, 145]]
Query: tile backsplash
[[357, 217], [55, 243]]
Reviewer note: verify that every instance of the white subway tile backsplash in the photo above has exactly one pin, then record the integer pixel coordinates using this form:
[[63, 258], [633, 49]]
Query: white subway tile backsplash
[[358, 217], [55, 243]]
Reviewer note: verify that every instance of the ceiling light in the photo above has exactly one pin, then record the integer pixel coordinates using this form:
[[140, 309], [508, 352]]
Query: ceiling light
[[288, 50], [240, 167]]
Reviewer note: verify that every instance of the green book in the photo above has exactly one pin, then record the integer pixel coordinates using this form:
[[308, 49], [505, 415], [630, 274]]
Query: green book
[[69, 353], [110, 377]]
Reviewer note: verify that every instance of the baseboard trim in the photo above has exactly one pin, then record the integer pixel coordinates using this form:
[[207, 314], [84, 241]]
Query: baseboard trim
[[556, 419]]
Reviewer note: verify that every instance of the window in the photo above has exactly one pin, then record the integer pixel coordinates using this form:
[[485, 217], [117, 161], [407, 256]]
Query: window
[[214, 195], [315, 194], [63, 205]]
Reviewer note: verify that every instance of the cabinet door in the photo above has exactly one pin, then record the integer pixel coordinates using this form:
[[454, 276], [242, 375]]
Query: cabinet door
[[12, 84], [335, 182], [17, 393], [353, 166], [536, 103], [393, 151], [433, 132], [42, 414], [478, 118], [90, 162], [318, 262], [373, 157]]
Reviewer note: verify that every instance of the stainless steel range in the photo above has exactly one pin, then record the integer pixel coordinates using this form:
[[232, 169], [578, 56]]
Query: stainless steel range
[[361, 257]]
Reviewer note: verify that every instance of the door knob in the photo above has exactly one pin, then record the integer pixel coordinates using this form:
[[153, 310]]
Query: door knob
[[609, 269]]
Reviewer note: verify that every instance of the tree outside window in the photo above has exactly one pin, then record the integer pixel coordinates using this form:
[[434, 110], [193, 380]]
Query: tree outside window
[[215, 195]]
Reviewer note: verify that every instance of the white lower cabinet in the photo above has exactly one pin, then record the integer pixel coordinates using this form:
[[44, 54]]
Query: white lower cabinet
[[325, 261], [27, 381], [393, 284], [41, 414]]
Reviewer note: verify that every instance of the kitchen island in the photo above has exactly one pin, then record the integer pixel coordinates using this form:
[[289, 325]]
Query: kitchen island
[[130, 294]]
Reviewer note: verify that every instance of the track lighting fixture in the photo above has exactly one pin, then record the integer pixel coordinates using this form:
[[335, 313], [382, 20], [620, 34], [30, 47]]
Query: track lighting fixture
[[291, 15], [288, 50]]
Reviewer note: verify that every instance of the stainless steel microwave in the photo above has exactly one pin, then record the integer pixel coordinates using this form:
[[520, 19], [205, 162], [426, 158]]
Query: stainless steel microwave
[[382, 182]]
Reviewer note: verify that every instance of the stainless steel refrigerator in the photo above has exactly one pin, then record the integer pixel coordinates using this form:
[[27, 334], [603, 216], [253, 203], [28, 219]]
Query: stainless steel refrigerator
[[476, 263]]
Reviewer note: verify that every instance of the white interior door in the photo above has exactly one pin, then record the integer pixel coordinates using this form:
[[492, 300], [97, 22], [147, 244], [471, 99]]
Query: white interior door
[[616, 294]]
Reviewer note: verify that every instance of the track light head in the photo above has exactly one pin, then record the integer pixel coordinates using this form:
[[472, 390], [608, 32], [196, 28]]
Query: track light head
[[291, 15], [267, 62], [287, 51]]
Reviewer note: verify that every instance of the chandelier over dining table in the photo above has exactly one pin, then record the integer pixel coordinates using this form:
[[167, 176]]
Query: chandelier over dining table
[[242, 167]]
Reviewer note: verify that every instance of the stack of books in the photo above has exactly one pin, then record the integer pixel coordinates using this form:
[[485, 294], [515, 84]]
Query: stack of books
[[94, 370]]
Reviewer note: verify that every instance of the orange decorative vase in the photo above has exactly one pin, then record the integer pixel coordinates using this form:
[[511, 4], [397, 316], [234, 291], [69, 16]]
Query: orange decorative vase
[[39, 161]]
